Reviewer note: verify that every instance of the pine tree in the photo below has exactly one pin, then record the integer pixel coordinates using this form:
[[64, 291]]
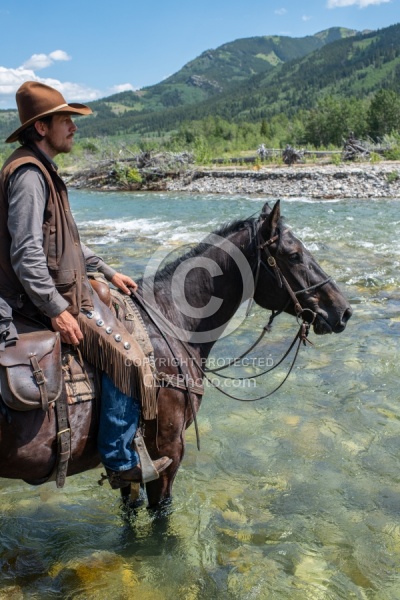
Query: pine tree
[[264, 128]]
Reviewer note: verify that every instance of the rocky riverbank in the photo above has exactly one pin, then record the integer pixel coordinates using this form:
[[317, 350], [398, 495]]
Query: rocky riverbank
[[324, 181]]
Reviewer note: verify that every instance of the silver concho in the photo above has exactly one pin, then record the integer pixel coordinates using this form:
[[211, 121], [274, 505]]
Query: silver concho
[[90, 315], [100, 322], [109, 330], [117, 337], [127, 346]]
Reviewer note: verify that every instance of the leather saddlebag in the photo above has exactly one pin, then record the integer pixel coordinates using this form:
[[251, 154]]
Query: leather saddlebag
[[30, 371]]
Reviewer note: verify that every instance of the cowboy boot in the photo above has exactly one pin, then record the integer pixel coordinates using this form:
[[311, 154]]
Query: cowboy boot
[[120, 479]]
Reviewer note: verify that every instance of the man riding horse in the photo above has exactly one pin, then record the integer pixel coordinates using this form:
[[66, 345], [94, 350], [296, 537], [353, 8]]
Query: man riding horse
[[43, 263]]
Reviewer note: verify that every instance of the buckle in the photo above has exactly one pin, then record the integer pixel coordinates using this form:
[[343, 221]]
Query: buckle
[[39, 377], [59, 433], [271, 261]]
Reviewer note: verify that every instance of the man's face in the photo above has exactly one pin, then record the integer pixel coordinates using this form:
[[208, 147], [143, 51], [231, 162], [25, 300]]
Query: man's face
[[58, 135]]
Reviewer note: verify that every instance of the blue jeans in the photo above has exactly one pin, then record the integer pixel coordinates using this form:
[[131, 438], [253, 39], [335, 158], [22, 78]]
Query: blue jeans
[[119, 419]]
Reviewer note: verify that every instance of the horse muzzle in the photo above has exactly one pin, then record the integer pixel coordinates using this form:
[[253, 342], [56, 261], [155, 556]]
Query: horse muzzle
[[323, 324]]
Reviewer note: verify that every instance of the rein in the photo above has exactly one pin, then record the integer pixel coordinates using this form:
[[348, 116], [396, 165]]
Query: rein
[[301, 335], [260, 246]]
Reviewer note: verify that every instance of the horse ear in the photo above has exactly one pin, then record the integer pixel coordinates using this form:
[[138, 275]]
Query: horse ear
[[266, 209], [271, 217]]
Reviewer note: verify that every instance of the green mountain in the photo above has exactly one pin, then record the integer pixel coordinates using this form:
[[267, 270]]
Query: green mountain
[[207, 76], [357, 65], [250, 80], [353, 67], [216, 71]]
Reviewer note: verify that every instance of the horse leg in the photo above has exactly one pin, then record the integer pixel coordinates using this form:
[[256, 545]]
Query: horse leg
[[131, 497], [164, 436], [167, 437], [159, 492]]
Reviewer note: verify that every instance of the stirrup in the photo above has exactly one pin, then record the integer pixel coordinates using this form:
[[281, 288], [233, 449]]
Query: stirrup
[[149, 472], [117, 480]]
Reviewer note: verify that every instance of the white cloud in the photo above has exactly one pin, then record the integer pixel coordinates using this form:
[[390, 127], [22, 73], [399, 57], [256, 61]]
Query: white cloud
[[41, 61], [11, 79], [38, 61], [59, 55], [73, 92], [280, 11], [122, 87], [305, 18], [359, 3]]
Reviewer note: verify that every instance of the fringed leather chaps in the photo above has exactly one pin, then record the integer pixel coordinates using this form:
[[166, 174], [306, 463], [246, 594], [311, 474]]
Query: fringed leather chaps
[[111, 348]]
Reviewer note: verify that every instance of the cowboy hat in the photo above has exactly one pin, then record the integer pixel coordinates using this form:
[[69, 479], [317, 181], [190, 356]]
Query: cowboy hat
[[36, 100]]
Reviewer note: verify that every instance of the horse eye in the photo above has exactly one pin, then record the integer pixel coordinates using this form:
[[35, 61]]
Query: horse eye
[[294, 257]]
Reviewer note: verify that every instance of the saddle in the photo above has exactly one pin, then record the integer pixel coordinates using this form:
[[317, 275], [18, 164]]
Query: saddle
[[37, 372], [36, 369]]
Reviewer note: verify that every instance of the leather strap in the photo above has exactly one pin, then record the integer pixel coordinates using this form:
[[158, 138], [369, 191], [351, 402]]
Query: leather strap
[[63, 433], [41, 382], [63, 440]]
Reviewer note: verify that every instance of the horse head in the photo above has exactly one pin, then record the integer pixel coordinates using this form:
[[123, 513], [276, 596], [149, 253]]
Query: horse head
[[301, 287]]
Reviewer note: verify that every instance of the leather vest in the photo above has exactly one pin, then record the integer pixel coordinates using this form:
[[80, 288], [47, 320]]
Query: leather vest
[[61, 242]]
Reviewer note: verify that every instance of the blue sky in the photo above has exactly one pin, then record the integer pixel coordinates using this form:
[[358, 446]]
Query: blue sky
[[90, 49]]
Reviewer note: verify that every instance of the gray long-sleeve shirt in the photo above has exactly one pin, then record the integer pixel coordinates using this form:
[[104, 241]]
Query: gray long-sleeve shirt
[[8, 333], [27, 195]]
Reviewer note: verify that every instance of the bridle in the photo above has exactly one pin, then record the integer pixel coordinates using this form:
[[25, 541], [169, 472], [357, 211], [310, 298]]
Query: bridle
[[261, 247], [264, 247]]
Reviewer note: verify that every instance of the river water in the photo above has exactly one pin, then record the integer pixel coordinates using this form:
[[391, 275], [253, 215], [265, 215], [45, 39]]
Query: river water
[[296, 497]]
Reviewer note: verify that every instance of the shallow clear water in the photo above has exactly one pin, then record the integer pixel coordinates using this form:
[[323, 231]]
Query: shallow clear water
[[294, 497]]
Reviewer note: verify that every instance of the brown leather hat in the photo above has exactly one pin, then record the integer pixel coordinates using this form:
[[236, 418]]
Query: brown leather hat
[[36, 100]]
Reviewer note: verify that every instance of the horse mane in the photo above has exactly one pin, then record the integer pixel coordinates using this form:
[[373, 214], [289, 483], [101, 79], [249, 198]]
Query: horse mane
[[223, 231], [226, 229]]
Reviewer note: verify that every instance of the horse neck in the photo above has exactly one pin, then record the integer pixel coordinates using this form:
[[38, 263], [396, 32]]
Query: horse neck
[[189, 302]]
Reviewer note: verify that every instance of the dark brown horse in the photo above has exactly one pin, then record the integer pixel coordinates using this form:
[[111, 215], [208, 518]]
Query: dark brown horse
[[189, 304]]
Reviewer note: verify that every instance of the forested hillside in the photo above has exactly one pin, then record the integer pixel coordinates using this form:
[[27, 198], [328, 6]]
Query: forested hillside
[[207, 76], [215, 71], [356, 67]]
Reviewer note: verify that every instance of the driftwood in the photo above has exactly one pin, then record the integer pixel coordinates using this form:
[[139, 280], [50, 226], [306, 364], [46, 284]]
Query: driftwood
[[291, 156], [353, 149], [262, 152], [163, 161], [152, 170]]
